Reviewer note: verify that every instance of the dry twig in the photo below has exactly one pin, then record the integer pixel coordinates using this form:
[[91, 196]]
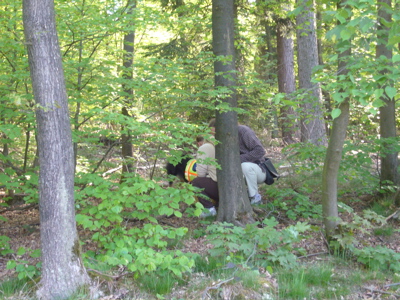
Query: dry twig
[[380, 291], [215, 287]]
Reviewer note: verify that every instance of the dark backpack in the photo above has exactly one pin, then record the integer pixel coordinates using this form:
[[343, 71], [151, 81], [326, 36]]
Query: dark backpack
[[270, 171]]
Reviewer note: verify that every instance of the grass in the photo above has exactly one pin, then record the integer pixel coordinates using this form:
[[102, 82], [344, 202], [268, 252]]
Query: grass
[[14, 286], [384, 231], [160, 284], [333, 279]]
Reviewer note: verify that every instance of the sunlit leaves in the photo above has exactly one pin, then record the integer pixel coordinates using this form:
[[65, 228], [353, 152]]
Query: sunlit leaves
[[390, 91], [335, 113]]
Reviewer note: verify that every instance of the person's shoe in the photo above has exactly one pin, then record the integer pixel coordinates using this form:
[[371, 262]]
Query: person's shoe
[[208, 212], [256, 199]]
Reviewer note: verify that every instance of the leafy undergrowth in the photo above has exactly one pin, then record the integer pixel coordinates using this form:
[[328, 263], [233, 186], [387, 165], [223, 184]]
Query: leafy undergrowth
[[283, 256], [237, 273]]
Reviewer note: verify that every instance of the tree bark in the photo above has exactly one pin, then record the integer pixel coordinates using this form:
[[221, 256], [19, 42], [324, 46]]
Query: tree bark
[[62, 268], [334, 153], [129, 51], [387, 120], [234, 204], [312, 122], [286, 77]]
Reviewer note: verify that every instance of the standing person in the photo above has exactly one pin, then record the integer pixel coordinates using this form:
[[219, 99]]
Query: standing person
[[251, 156], [207, 179]]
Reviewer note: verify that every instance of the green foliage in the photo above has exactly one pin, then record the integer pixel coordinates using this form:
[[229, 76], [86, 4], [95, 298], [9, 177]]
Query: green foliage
[[295, 204], [14, 286], [293, 286], [142, 247], [209, 264], [159, 284], [5, 247], [378, 258], [346, 236], [26, 184], [22, 267], [384, 231], [374, 257], [312, 282], [264, 246], [305, 157]]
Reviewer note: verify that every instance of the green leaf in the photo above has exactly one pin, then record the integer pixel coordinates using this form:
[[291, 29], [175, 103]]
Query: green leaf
[[116, 209], [390, 91], [378, 93], [345, 34], [21, 251], [336, 113], [396, 58], [36, 253], [378, 103], [11, 264]]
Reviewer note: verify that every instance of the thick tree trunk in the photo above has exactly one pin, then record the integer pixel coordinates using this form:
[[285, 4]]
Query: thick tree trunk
[[234, 204], [389, 157], [312, 121], [334, 154], [62, 269], [286, 77]]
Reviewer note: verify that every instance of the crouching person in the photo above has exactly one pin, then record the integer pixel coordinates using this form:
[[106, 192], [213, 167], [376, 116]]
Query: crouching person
[[207, 179]]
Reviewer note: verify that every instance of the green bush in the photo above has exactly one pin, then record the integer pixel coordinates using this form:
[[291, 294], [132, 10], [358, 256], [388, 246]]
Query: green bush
[[378, 258], [107, 208], [264, 246]]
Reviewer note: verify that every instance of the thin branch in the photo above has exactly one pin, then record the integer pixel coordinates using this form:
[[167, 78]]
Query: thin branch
[[392, 284], [18, 208], [215, 287], [392, 215], [104, 157], [380, 291]]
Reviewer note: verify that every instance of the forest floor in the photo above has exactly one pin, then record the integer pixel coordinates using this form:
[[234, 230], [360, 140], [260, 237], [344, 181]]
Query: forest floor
[[22, 226]]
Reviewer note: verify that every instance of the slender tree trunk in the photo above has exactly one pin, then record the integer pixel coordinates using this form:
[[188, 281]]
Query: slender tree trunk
[[286, 77], [389, 157], [334, 153], [62, 269], [326, 97], [234, 205], [312, 121], [129, 51]]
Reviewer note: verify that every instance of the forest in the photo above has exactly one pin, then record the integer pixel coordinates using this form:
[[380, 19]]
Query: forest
[[97, 97]]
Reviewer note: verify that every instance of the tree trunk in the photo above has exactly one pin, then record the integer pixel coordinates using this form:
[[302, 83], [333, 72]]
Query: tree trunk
[[286, 77], [234, 204], [325, 94], [312, 122], [389, 157], [62, 269], [334, 154], [129, 50]]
